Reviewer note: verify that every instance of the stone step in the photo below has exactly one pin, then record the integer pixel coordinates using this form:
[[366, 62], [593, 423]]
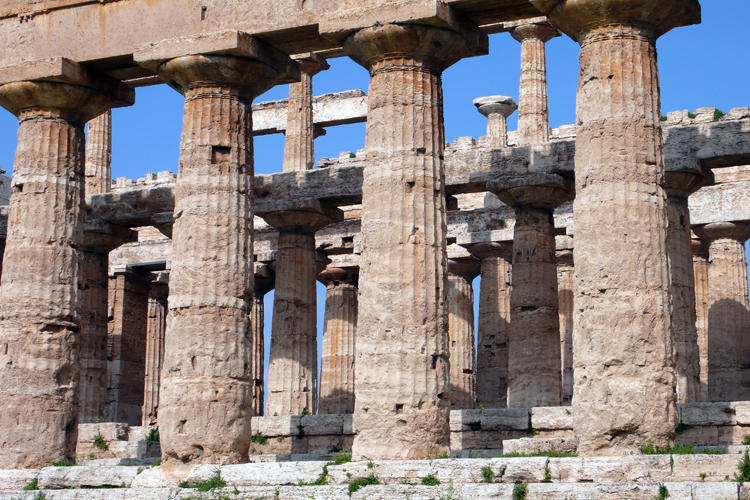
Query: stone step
[[536, 491]]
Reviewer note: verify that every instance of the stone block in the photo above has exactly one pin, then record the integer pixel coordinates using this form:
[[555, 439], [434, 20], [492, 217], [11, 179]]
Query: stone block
[[705, 435], [59, 478], [259, 474], [644, 468], [488, 453], [713, 491], [533, 445], [729, 435], [156, 477], [521, 470], [399, 492], [103, 494], [715, 467], [482, 439], [276, 426], [348, 423], [110, 432], [323, 425], [700, 414], [139, 433], [16, 479], [148, 449], [489, 420], [552, 418], [605, 491]]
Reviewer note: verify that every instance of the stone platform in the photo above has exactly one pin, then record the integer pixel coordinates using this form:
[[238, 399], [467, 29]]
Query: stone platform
[[686, 477]]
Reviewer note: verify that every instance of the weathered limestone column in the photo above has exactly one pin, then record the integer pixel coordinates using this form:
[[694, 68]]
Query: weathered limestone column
[[624, 391], [337, 360], [264, 283], [700, 269], [403, 381], [533, 109], [565, 285], [156, 328], [534, 362], [99, 155], [461, 274], [497, 109], [679, 185], [493, 325], [293, 360], [299, 151], [207, 385], [99, 239], [40, 315], [728, 311]]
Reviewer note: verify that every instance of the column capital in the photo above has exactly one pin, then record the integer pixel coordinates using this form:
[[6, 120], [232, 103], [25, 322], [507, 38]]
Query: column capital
[[304, 216], [311, 63], [496, 105], [265, 279], [60, 88], [683, 183], [546, 191], [465, 268], [576, 18], [700, 247], [491, 249], [739, 231], [544, 32], [334, 275], [100, 236]]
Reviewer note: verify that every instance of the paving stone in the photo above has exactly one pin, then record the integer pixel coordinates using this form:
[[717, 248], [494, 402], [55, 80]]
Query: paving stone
[[89, 477], [716, 467]]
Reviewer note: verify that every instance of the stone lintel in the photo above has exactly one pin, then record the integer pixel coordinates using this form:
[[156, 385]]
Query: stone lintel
[[336, 26], [576, 17], [338, 186], [721, 202], [63, 70], [103, 236], [228, 42], [541, 190], [132, 208]]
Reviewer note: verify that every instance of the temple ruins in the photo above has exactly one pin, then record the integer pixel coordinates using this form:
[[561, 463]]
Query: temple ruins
[[609, 255]]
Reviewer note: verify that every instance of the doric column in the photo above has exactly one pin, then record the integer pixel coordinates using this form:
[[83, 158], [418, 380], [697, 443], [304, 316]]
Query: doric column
[[533, 110], [565, 280], [156, 329], [728, 311], [299, 151], [623, 343], [534, 362], [493, 325], [40, 315], [264, 282], [700, 269], [337, 360], [679, 185], [99, 155], [206, 393], [461, 274], [293, 360], [99, 239], [402, 392], [497, 109]]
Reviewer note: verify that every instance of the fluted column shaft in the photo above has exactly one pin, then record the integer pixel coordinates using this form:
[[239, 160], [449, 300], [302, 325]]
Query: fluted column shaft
[[533, 109], [623, 348], [337, 360], [299, 152], [565, 285], [461, 273], [264, 283], [206, 393], [99, 155], [403, 381], [728, 311], [700, 270], [293, 363], [93, 348], [156, 327], [40, 315]]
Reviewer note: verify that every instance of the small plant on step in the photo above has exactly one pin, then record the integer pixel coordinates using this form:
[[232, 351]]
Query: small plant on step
[[361, 482], [703, 477], [488, 474], [718, 114], [746, 441], [519, 492], [259, 438], [663, 493], [443, 456], [744, 467], [342, 457], [547, 475], [33, 485], [430, 480], [153, 435], [305, 411], [300, 432], [100, 443], [40, 496]]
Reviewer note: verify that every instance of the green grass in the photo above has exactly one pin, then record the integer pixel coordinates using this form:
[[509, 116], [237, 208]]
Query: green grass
[[663, 118], [430, 480], [65, 463], [682, 428], [519, 492], [549, 454], [678, 449], [153, 435], [663, 493], [213, 482], [443, 456], [692, 116], [547, 475], [33, 485], [342, 457], [321, 481], [718, 114], [300, 432], [361, 482], [488, 474], [100, 443], [259, 438], [744, 467], [40, 496], [746, 441]]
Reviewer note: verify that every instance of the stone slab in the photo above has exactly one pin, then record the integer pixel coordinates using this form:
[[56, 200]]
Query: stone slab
[[57, 478], [441, 491], [490, 419], [156, 477], [650, 468], [552, 418], [104, 494], [522, 470], [533, 445], [109, 432], [259, 474], [16, 479], [631, 491], [412, 471]]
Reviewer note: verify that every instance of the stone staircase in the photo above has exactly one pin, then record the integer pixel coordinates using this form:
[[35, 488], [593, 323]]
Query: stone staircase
[[638, 477]]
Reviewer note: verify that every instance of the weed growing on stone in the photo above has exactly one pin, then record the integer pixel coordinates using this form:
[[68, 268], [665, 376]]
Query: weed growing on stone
[[321, 481], [682, 428], [300, 432], [259, 438], [33, 485], [153, 435], [370, 465], [547, 475], [519, 492], [40, 496], [342, 457], [548, 454], [703, 477], [100, 443], [430, 480], [280, 439], [744, 467], [746, 441], [718, 114], [488, 474], [443, 456], [213, 482], [65, 462], [361, 482], [663, 493], [678, 449], [663, 118], [92, 456], [692, 116], [475, 426]]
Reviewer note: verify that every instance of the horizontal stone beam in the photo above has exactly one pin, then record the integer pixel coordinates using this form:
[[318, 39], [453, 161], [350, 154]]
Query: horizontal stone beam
[[329, 110], [105, 33], [728, 202], [713, 145]]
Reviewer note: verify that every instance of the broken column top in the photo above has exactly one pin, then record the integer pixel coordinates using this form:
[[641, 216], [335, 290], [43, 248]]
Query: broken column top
[[496, 105]]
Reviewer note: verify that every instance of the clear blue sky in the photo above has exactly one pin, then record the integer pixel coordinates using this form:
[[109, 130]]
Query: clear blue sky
[[703, 65]]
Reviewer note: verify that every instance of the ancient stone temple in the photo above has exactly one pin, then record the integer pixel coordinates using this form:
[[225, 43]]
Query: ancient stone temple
[[566, 293]]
